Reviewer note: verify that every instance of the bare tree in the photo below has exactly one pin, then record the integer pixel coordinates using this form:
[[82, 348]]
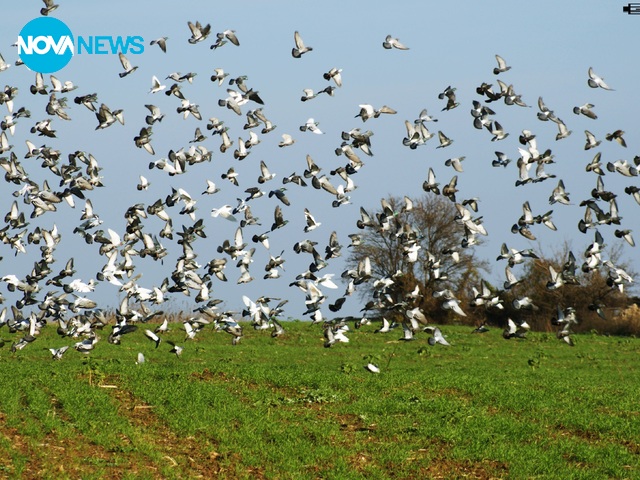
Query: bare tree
[[415, 249]]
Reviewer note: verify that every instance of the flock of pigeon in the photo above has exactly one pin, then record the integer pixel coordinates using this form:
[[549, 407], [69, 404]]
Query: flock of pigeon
[[50, 292]]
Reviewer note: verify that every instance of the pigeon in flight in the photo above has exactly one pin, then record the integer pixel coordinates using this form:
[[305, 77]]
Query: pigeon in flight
[[596, 81], [502, 65], [300, 48], [161, 42], [126, 64], [391, 42]]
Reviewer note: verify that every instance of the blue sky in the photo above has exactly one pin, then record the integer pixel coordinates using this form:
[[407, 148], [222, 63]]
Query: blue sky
[[550, 46]]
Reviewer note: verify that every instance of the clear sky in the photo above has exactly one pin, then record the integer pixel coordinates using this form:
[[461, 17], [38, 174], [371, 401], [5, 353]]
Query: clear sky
[[550, 46]]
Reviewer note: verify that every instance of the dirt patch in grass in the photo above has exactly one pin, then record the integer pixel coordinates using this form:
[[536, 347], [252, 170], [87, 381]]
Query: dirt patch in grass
[[191, 457], [493, 410], [588, 436], [350, 426], [433, 461], [440, 466], [463, 395], [353, 423], [208, 376], [21, 446], [484, 470], [633, 447], [362, 461], [51, 456], [67, 457]]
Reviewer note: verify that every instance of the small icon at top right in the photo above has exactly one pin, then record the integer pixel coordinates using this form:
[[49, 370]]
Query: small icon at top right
[[632, 8]]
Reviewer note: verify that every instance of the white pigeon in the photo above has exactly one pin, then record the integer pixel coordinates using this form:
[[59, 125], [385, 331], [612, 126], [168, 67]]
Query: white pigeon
[[596, 81], [372, 368], [156, 86], [391, 42], [211, 188], [312, 126], [225, 212], [437, 336]]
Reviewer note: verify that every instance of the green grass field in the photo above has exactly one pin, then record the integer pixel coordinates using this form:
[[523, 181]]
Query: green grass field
[[288, 408]]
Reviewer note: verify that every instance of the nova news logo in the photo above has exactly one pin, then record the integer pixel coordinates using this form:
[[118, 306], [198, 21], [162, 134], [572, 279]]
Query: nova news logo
[[46, 45]]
